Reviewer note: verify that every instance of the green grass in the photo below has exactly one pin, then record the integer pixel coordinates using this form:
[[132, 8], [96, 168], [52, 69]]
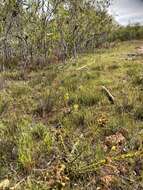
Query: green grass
[[55, 122]]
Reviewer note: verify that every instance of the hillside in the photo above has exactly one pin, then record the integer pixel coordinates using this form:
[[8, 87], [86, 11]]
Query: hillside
[[58, 129]]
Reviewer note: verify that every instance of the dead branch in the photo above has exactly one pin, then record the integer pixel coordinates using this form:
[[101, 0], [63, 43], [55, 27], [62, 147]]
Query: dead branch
[[83, 67], [108, 94]]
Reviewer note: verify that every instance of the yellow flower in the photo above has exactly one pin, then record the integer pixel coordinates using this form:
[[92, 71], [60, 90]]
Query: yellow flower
[[66, 97], [113, 148], [80, 87], [60, 88], [76, 107]]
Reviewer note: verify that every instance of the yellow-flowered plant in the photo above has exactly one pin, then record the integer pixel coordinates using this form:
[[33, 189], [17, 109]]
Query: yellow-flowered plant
[[66, 96], [76, 107], [113, 148], [80, 87]]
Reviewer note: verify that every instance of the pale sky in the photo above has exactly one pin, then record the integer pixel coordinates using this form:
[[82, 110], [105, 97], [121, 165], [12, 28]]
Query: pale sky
[[127, 11]]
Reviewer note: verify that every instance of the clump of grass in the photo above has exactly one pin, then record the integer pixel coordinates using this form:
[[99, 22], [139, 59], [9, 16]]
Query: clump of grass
[[46, 103], [86, 96], [5, 142], [25, 150], [48, 142], [100, 154], [71, 82], [14, 75], [43, 78], [19, 88], [33, 139], [3, 106], [114, 66], [41, 133], [138, 80], [100, 67], [138, 112], [136, 76], [77, 118], [91, 75]]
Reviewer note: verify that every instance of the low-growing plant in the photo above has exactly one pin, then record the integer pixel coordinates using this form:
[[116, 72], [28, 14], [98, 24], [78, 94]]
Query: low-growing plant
[[40, 133], [25, 150], [48, 142]]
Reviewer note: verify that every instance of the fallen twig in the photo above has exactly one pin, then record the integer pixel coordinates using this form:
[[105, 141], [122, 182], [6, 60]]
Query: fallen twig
[[108, 94], [85, 66]]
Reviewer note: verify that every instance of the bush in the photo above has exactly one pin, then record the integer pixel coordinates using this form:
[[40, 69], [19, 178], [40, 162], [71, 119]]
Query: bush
[[127, 33]]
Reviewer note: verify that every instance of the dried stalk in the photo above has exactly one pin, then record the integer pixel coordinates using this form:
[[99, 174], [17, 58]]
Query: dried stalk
[[108, 94]]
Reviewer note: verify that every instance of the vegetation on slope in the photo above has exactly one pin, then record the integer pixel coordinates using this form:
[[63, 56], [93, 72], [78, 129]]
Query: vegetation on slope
[[58, 130]]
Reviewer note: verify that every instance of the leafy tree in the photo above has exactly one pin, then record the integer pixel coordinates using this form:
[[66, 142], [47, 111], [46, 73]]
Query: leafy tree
[[35, 31]]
